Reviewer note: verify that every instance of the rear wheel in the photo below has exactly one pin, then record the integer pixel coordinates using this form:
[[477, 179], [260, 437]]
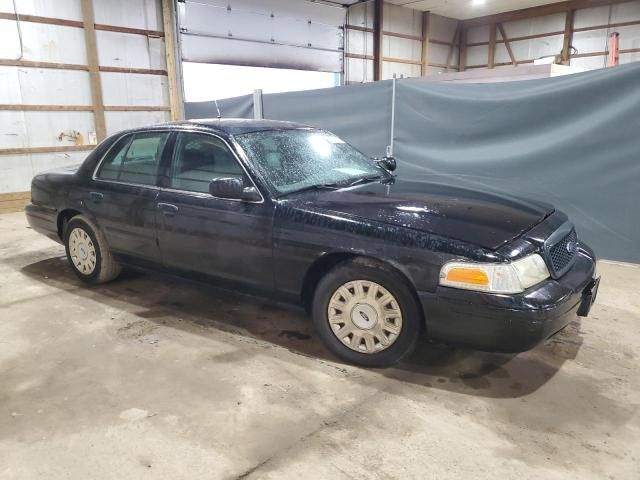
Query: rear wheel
[[366, 314], [88, 252]]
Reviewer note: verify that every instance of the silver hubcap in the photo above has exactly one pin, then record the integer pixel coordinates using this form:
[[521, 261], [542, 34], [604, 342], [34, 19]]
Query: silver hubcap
[[364, 316], [82, 251]]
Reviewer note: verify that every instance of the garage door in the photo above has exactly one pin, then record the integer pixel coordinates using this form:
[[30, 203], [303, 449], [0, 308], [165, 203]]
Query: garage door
[[268, 33]]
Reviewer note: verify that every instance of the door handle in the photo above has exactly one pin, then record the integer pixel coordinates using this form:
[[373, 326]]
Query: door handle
[[167, 209], [96, 197]]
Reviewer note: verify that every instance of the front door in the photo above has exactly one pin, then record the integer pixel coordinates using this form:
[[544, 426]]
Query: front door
[[227, 238], [122, 196]]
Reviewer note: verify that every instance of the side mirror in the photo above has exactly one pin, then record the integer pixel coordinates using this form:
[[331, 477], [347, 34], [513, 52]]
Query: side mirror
[[388, 163], [233, 188], [251, 194]]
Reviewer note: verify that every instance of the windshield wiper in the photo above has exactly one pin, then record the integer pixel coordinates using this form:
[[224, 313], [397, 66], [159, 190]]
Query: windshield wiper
[[370, 178], [338, 185], [318, 186]]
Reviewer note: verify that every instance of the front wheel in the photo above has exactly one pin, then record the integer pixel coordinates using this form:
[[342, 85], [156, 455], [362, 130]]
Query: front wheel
[[88, 252], [366, 314]]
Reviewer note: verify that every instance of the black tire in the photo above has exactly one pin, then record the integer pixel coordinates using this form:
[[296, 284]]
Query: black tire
[[390, 280], [106, 268]]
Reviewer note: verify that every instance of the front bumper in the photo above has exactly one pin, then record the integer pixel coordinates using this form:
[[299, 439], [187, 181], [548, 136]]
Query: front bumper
[[512, 323]]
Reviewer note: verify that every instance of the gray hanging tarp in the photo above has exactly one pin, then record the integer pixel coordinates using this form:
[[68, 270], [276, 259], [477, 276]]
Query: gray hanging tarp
[[235, 107], [361, 114], [573, 141]]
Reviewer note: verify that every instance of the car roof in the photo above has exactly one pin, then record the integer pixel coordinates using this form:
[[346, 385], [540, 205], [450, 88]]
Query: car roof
[[230, 126]]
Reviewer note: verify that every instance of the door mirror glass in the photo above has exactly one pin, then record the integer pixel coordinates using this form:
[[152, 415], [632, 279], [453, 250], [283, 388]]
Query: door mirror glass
[[226, 187]]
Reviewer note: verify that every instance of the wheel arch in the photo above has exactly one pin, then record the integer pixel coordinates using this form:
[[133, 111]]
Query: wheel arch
[[63, 218], [330, 260]]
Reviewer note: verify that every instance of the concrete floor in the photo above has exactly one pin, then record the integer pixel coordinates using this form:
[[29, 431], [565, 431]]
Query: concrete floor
[[154, 377]]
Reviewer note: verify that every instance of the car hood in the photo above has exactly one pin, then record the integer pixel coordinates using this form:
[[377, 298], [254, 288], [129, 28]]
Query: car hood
[[485, 219]]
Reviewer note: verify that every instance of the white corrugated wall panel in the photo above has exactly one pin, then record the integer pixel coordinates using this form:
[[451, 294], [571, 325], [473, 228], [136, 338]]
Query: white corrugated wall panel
[[117, 121], [360, 42], [43, 43], [477, 55], [438, 54], [130, 51], [532, 26], [629, 37], [590, 63], [41, 162], [629, 57], [18, 170], [536, 48], [442, 28], [359, 71], [134, 89], [361, 14], [590, 41], [43, 86], [65, 9], [625, 12], [404, 48], [42, 129], [143, 14], [10, 85], [14, 130], [478, 34], [402, 20]]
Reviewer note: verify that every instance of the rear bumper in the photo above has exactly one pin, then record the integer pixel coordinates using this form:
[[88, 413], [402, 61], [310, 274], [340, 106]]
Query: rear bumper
[[43, 220], [512, 323]]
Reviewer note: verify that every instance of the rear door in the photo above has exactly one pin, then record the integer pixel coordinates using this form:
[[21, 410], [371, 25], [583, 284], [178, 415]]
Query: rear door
[[123, 194], [227, 238]]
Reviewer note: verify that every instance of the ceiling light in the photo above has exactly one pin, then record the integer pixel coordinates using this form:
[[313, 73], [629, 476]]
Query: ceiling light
[[476, 3]]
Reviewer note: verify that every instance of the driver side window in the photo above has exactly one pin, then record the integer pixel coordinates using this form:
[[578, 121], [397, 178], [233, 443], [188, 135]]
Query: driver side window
[[200, 158]]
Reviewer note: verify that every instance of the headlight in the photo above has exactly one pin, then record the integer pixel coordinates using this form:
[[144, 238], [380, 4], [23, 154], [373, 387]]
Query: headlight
[[514, 277]]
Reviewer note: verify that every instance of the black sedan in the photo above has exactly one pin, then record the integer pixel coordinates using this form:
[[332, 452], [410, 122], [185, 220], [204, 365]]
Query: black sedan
[[297, 213]]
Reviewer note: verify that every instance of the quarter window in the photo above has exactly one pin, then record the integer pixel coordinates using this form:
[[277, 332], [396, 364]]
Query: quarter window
[[198, 159], [134, 159]]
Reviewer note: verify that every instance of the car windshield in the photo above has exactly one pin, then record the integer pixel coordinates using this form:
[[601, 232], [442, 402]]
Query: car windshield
[[293, 160]]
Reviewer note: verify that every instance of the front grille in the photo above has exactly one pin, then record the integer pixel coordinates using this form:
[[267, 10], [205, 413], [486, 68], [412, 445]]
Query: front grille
[[560, 255]]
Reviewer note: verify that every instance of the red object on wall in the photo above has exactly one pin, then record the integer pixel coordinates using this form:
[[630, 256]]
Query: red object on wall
[[614, 50]]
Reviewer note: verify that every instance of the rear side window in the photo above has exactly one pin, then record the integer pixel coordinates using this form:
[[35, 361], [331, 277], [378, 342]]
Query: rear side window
[[134, 159], [200, 158]]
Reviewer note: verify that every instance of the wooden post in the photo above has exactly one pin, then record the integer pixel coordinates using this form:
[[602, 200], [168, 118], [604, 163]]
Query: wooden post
[[507, 45], [452, 47], [175, 103], [462, 49], [94, 68], [568, 36], [426, 18], [492, 46], [377, 39]]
